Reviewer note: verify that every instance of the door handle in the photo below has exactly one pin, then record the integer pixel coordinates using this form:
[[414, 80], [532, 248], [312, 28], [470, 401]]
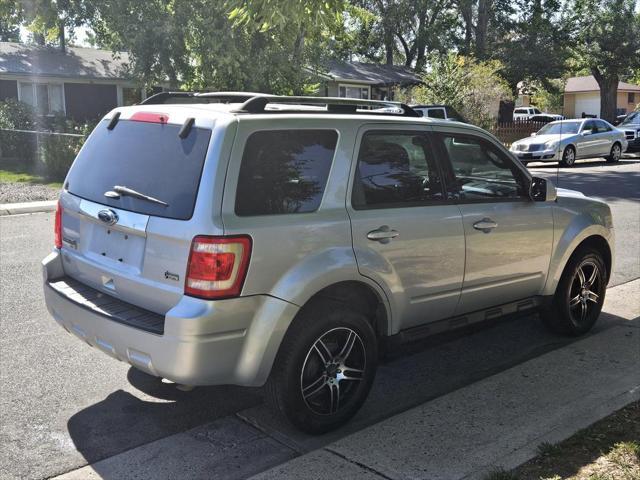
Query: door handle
[[485, 225], [384, 234]]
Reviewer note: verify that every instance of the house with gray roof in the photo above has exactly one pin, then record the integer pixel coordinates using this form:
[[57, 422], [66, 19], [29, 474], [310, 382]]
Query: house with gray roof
[[81, 83], [363, 80]]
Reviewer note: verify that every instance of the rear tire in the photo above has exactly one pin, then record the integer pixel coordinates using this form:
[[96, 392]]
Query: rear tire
[[616, 153], [325, 367], [579, 296], [568, 157]]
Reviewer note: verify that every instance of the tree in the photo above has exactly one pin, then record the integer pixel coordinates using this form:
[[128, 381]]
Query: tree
[[537, 48], [10, 20], [484, 23], [51, 21], [474, 88], [207, 44], [408, 30], [608, 44]]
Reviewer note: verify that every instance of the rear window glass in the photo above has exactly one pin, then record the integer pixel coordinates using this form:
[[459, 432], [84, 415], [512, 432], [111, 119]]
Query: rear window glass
[[284, 171], [149, 158]]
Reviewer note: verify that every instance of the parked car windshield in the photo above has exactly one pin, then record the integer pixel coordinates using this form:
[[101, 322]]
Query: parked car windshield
[[560, 128], [632, 118], [146, 157]]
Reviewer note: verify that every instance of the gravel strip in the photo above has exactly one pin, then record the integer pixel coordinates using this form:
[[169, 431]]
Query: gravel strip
[[17, 192]]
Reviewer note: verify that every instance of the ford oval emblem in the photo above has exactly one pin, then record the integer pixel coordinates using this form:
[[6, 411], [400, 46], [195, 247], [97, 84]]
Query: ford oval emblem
[[108, 216]]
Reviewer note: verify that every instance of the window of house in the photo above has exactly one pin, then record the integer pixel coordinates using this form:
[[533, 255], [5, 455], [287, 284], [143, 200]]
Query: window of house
[[46, 98], [353, 91], [395, 169], [631, 97], [284, 171]]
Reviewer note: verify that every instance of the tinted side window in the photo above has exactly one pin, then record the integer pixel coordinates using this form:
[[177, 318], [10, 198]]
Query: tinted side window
[[590, 125], [284, 171], [395, 169], [479, 170]]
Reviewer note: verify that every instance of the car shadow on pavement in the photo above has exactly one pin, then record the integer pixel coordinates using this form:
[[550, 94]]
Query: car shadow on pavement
[[125, 420], [411, 375], [420, 371]]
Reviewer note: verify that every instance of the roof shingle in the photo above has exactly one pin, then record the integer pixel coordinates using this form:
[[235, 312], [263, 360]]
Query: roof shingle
[[370, 73], [86, 63]]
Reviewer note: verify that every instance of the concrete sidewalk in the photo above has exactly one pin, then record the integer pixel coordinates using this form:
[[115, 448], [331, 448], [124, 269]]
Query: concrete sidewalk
[[495, 422], [499, 421], [27, 207]]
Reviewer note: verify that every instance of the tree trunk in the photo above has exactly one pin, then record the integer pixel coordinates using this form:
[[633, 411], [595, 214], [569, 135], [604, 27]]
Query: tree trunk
[[389, 45], [466, 11], [61, 37], [484, 10], [608, 94]]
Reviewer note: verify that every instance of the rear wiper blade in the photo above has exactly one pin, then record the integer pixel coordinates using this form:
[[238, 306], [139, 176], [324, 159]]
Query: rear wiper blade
[[133, 193]]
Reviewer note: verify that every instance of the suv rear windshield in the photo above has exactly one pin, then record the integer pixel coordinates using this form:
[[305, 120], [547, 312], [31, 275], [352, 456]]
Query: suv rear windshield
[[147, 157]]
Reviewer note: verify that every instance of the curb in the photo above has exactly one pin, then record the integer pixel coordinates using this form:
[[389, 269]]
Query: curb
[[27, 207]]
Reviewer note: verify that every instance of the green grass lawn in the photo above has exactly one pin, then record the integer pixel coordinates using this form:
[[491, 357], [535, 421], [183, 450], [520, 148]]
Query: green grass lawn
[[10, 174], [607, 450]]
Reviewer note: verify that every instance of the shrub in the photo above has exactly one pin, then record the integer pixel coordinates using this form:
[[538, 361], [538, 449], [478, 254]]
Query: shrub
[[473, 88], [16, 115], [43, 153], [58, 153]]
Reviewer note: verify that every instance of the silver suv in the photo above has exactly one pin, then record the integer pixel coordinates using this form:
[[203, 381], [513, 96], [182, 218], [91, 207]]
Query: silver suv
[[285, 240]]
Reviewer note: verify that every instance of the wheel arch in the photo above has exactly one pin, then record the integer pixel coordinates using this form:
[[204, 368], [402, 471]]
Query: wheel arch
[[595, 237], [359, 296]]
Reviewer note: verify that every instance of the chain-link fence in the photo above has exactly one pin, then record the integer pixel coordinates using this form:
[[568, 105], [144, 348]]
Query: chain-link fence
[[49, 154]]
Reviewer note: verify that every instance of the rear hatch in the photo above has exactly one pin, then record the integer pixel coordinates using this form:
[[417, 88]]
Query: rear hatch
[[133, 248]]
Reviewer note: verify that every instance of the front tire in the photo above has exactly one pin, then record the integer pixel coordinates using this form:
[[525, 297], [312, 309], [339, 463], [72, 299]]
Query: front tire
[[579, 296], [616, 153], [325, 367], [568, 157]]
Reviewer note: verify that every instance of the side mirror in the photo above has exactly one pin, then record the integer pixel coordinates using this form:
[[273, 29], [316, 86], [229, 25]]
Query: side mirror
[[543, 190], [586, 132]]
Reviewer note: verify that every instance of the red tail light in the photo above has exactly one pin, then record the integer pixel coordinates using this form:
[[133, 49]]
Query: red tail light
[[57, 238], [217, 266]]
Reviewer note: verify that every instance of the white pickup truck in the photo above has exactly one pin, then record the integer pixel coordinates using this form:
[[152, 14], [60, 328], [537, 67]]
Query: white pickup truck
[[525, 113]]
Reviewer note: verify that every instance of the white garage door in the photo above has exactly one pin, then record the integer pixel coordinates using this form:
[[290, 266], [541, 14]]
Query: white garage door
[[588, 103]]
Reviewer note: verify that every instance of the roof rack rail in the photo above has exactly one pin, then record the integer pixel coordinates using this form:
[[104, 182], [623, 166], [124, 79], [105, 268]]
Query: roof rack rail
[[259, 103], [199, 97]]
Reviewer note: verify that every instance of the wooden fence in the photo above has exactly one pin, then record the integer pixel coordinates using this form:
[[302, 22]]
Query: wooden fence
[[508, 133]]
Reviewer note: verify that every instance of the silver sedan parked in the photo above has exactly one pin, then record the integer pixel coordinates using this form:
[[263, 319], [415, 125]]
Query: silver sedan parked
[[569, 140]]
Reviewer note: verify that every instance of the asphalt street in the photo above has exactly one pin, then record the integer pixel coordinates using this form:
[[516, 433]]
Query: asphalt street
[[64, 405]]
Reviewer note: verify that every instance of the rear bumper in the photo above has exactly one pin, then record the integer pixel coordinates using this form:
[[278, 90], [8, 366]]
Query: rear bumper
[[231, 341]]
